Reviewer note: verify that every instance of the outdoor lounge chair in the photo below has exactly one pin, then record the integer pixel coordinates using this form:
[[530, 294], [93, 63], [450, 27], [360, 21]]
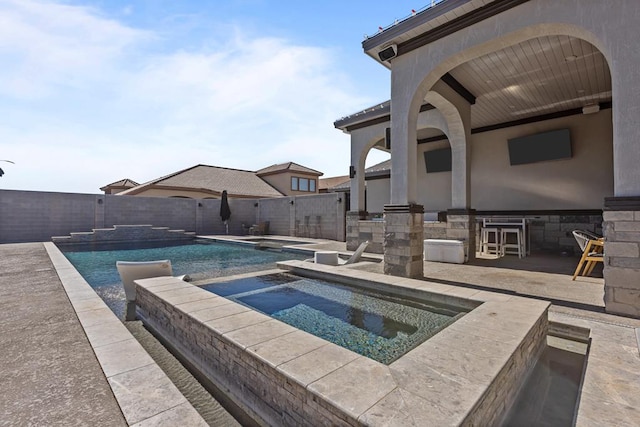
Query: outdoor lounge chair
[[356, 255], [332, 258], [134, 270], [592, 252]]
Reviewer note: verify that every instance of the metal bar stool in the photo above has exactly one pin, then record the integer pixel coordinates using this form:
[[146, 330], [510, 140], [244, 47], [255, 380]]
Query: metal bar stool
[[489, 245], [506, 246]]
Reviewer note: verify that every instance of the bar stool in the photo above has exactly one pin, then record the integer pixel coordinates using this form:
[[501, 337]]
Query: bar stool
[[488, 245], [505, 232]]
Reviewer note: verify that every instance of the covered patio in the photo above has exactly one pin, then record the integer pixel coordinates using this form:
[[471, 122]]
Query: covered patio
[[470, 83]]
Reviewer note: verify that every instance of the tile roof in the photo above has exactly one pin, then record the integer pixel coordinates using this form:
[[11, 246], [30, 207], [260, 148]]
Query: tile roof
[[123, 183], [212, 179], [289, 166], [326, 183]]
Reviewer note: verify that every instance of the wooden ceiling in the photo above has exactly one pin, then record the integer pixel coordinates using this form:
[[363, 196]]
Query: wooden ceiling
[[539, 76]]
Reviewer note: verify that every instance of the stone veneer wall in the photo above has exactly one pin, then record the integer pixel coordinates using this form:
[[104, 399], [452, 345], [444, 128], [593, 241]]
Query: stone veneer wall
[[403, 240], [622, 262], [373, 231], [496, 402], [552, 232], [257, 387]]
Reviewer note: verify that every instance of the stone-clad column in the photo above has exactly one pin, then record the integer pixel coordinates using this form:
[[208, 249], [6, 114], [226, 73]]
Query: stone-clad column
[[353, 229], [461, 225], [622, 255], [403, 240]]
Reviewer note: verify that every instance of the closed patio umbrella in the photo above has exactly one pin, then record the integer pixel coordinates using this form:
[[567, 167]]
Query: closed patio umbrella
[[225, 211]]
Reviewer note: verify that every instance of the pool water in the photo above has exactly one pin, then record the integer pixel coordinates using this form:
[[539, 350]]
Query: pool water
[[199, 260], [374, 325]]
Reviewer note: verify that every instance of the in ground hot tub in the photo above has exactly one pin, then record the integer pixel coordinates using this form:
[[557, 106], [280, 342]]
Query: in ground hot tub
[[467, 373]]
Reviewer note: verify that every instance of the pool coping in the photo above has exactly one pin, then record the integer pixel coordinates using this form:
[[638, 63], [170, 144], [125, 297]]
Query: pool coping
[[145, 394], [473, 361]]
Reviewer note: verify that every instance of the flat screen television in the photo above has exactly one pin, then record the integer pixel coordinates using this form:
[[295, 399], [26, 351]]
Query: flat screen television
[[541, 147], [438, 160]]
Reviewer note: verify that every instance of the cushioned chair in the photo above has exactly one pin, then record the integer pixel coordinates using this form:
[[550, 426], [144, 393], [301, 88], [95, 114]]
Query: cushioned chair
[[592, 247]]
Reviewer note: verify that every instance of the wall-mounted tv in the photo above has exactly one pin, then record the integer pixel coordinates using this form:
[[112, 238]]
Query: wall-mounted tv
[[553, 145], [438, 160]]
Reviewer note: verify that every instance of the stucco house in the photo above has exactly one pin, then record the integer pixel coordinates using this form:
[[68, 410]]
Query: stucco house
[[208, 182], [508, 107]]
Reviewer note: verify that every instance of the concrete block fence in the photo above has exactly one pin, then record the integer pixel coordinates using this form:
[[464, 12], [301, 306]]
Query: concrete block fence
[[35, 216]]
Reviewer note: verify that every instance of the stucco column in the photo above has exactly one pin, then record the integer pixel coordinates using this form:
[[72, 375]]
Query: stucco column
[[404, 146], [362, 140], [622, 213]]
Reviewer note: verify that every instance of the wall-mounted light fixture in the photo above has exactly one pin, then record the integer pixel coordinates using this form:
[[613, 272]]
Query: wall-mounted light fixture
[[100, 201], [199, 204], [352, 172], [291, 202], [339, 199], [255, 205]]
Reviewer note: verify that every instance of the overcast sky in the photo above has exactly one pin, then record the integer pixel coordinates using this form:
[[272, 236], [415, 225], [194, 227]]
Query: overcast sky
[[99, 90]]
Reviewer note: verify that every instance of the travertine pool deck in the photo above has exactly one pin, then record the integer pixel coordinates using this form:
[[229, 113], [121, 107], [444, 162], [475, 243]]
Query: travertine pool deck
[[50, 375], [66, 358]]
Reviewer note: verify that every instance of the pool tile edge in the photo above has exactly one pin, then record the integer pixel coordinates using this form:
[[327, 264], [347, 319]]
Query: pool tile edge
[[77, 291]]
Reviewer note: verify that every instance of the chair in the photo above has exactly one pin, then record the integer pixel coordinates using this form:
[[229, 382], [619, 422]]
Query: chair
[[592, 247], [506, 246], [130, 271], [332, 258], [356, 255], [259, 229], [489, 245]]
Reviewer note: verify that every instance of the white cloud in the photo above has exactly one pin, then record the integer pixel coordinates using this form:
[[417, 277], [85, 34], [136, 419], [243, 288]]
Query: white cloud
[[84, 100]]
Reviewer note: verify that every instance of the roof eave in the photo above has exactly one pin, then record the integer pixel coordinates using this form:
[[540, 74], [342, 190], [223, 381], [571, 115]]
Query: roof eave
[[372, 45]]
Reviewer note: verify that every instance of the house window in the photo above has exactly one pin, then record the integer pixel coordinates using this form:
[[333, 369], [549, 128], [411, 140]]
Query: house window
[[303, 184]]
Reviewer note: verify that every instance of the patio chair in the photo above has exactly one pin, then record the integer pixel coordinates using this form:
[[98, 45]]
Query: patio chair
[[134, 270], [259, 229], [357, 254], [592, 247], [332, 258]]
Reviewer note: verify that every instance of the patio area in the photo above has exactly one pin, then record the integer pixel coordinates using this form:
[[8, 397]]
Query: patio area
[[609, 395]]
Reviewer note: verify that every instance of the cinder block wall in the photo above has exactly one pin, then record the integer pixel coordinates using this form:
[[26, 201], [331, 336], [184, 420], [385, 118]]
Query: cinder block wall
[[32, 216]]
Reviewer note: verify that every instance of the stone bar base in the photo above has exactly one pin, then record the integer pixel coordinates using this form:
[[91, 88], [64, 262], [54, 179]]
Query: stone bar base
[[403, 240], [622, 255], [353, 230], [461, 225]]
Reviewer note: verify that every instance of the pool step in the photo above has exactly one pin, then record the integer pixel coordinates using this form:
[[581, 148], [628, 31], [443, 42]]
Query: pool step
[[125, 233]]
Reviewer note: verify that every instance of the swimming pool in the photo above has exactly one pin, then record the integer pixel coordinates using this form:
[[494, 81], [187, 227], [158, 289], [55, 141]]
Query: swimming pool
[[381, 327], [199, 259]]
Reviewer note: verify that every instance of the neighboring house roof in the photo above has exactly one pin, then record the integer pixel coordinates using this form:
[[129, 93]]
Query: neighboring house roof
[[380, 170], [327, 183], [212, 179], [287, 167], [123, 183]]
